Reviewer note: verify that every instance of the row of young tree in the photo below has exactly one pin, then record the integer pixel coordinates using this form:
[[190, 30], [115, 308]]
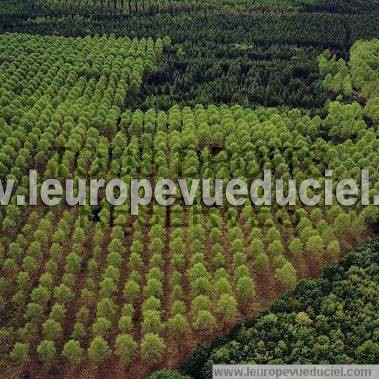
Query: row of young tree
[[110, 295], [49, 83], [315, 323], [225, 250], [229, 143]]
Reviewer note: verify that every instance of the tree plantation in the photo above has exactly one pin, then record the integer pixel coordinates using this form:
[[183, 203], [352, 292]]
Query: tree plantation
[[316, 311], [216, 90]]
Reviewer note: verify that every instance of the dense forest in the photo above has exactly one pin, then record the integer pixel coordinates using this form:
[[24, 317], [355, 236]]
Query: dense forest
[[151, 7]]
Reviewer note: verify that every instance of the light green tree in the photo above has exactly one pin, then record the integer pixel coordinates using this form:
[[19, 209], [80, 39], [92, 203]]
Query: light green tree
[[152, 348], [46, 351], [98, 350], [125, 347], [73, 352]]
